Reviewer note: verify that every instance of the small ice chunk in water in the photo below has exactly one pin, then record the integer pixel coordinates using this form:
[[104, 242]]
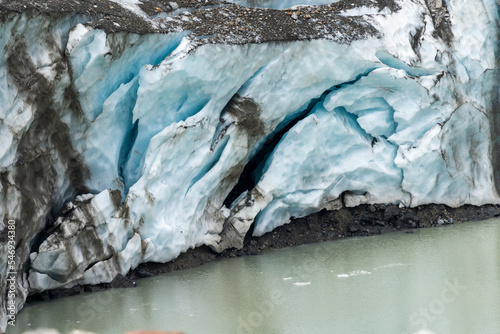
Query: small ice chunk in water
[[301, 283]]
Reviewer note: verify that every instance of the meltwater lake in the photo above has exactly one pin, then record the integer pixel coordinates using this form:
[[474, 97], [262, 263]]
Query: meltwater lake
[[445, 280]]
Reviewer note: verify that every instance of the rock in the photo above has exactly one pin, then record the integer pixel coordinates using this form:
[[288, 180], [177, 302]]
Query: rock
[[410, 220], [94, 288], [369, 218], [391, 213], [491, 212], [366, 231], [65, 292], [121, 281], [444, 221], [440, 222], [143, 272], [353, 228], [173, 5]]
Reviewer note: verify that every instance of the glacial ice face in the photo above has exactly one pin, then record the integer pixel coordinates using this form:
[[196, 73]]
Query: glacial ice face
[[105, 71], [321, 158], [395, 103], [433, 135], [181, 191], [86, 228]]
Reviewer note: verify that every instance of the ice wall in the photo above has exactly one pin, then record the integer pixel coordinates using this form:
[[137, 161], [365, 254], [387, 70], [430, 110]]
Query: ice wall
[[124, 138]]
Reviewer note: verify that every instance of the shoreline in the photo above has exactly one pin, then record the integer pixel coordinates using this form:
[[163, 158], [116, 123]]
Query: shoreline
[[363, 220]]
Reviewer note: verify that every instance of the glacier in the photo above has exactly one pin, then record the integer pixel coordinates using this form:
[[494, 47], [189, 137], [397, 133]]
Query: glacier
[[127, 127]]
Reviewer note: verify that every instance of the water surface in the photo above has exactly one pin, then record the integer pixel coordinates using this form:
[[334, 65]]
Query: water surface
[[444, 279]]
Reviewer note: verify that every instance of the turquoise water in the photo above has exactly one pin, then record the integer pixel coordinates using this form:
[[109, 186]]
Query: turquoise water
[[446, 280]]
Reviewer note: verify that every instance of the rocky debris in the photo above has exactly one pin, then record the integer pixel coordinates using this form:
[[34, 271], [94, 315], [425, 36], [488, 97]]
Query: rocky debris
[[118, 282], [360, 221], [154, 7], [217, 22], [59, 293], [142, 272], [441, 19], [445, 221], [235, 24], [121, 281], [390, 212], [192, 258], [410, 220]]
